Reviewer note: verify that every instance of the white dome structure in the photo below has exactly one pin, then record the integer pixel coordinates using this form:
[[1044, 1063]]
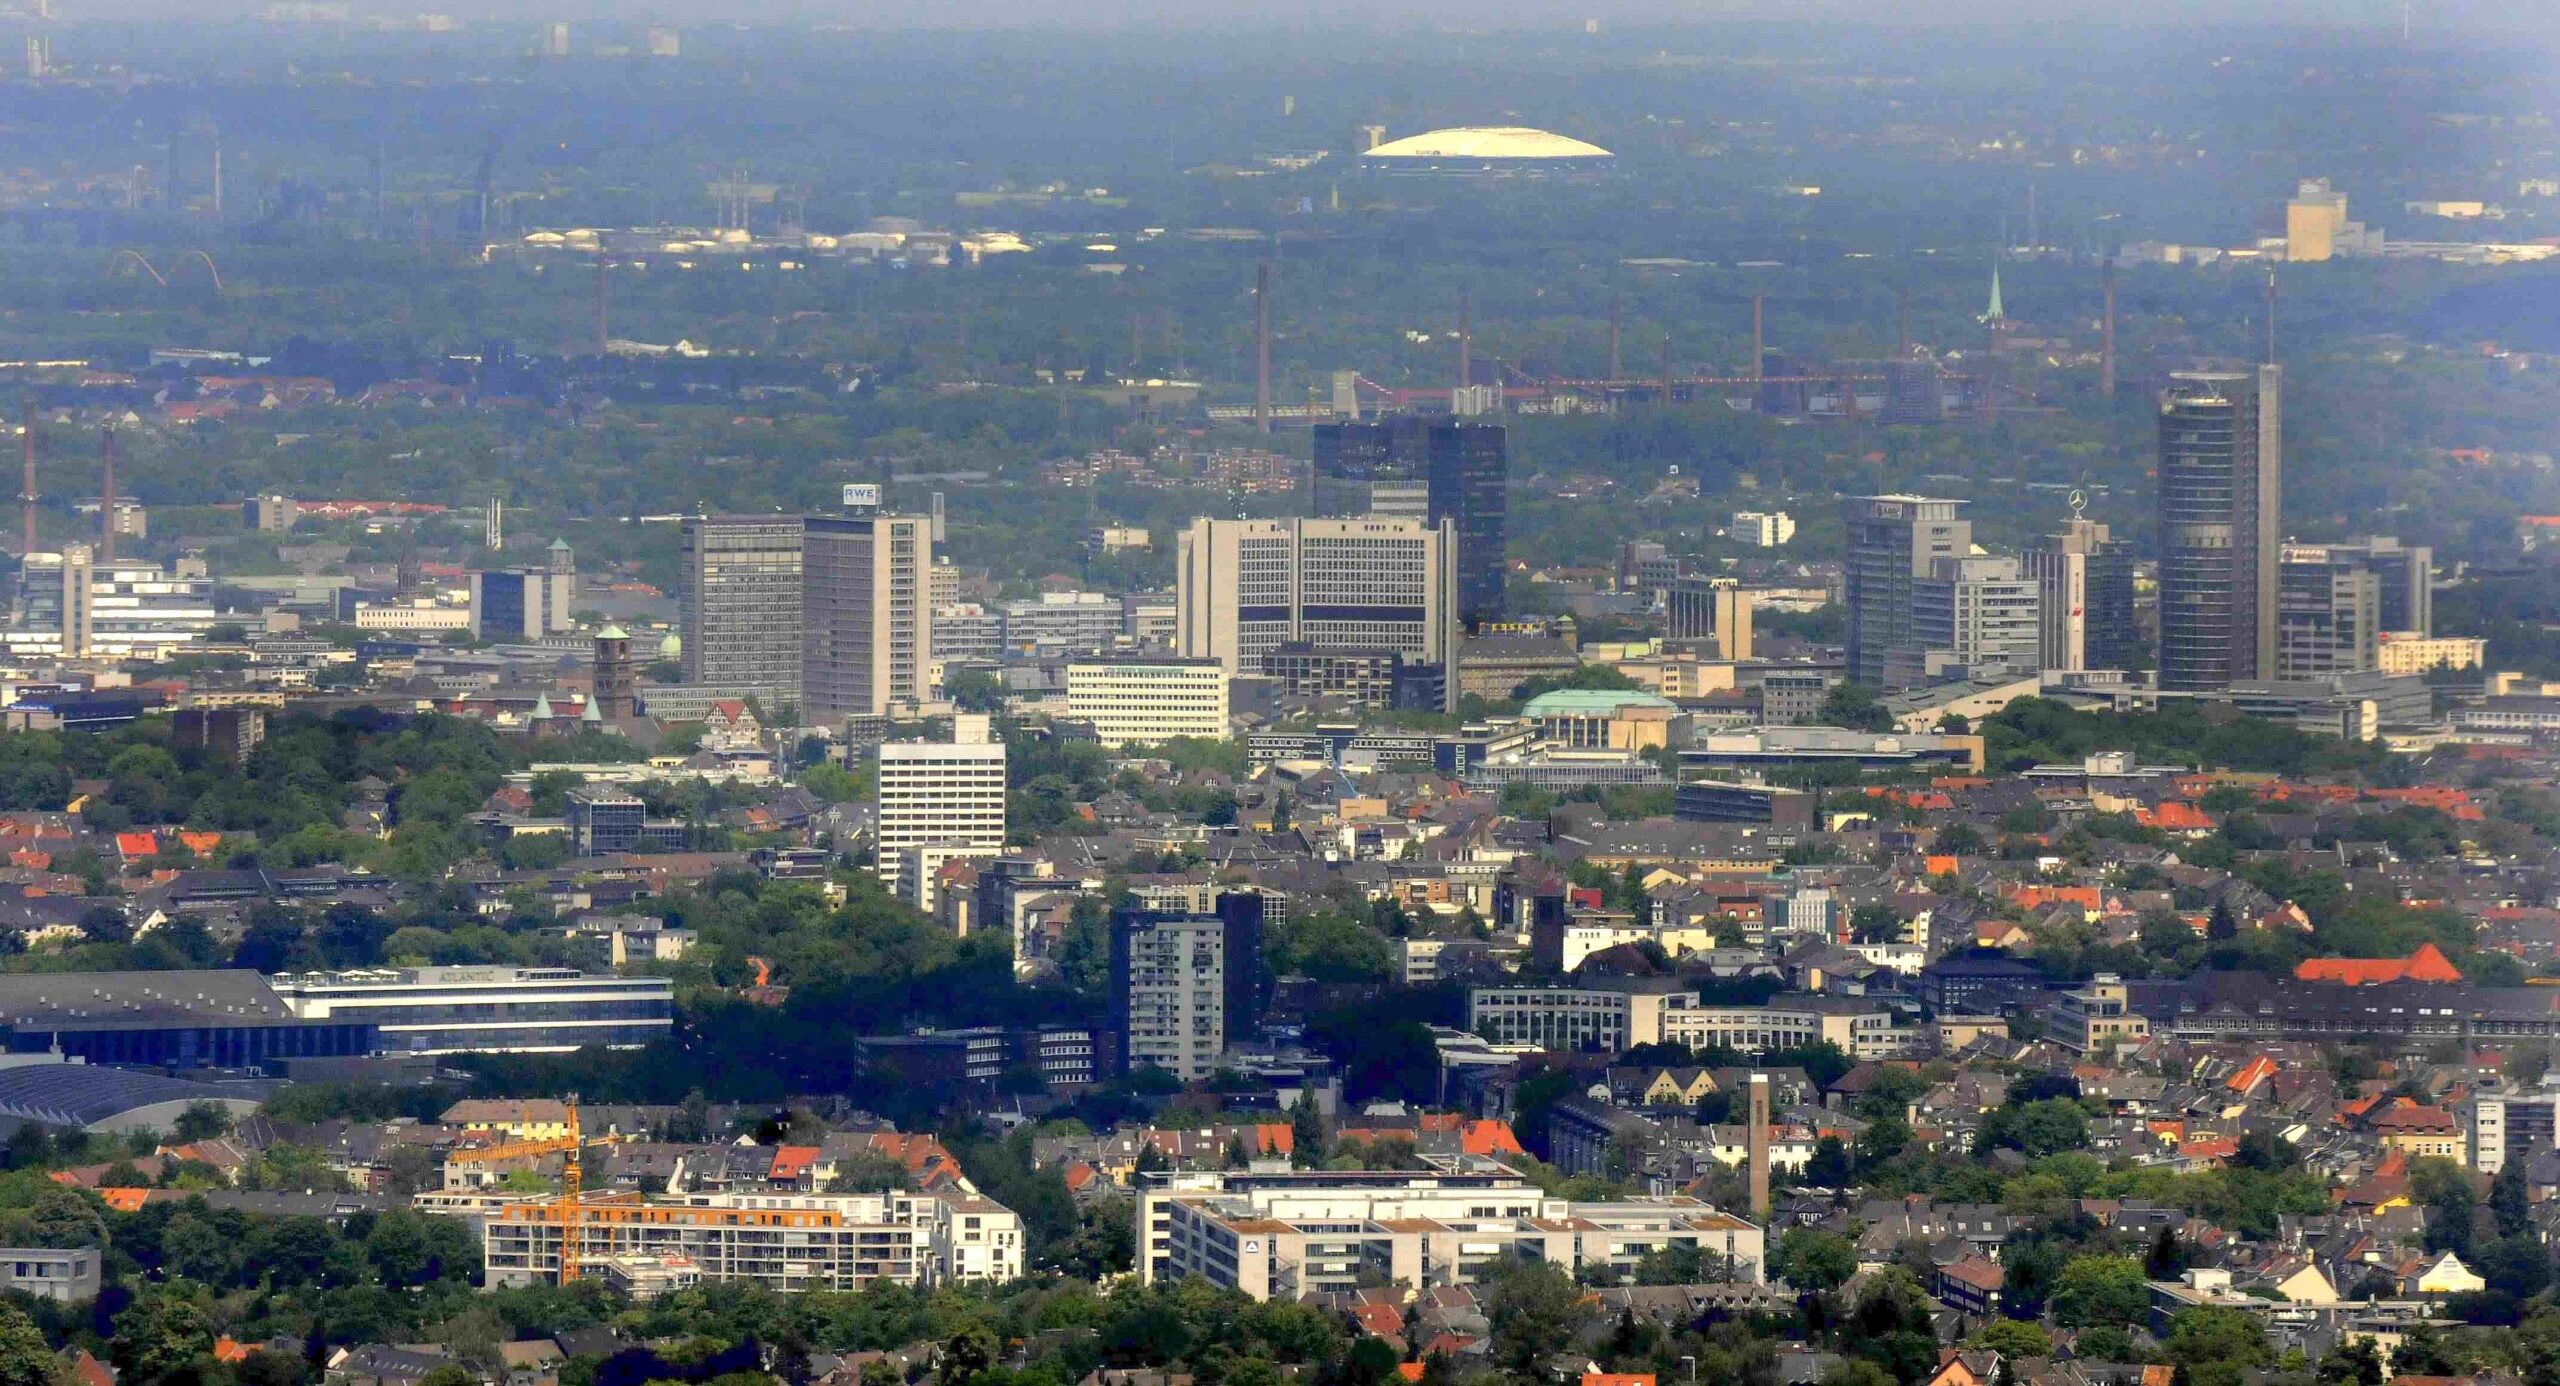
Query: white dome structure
[[1485, 148]]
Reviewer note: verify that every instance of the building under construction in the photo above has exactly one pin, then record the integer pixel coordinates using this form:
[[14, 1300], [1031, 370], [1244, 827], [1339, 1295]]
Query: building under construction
[[783, 1242]]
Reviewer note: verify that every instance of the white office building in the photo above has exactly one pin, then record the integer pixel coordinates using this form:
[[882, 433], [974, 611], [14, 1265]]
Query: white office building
[[1762, 530], [77, 605], [1246, 586], [949, 795], [486, 1010], [1146, 702]]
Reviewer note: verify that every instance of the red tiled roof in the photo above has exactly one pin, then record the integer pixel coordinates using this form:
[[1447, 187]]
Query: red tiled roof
[[2425, 965]]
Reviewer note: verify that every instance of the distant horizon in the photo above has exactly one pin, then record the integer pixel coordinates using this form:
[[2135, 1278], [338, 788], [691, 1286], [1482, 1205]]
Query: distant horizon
[[2437, 18]]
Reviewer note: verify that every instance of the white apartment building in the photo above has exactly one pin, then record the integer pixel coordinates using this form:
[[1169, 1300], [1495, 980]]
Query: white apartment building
[[943, 794], [1762, 529], [1169, 980], [1283, 1235], [1134, 702], [1244, 586], [779, 1241]]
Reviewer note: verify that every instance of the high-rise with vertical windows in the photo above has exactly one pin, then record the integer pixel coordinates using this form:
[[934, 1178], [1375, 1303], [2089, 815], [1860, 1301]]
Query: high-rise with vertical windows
[[1182, 985], [1970, 612], [1892, 541], [741, 604], [1430, 470], [946, 798], [2221, 493], [1247, 586], [2328, 613], [2084, 579], [866, 621]]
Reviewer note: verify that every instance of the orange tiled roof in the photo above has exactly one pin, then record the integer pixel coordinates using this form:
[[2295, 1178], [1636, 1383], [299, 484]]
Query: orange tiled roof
[[2425, 965]]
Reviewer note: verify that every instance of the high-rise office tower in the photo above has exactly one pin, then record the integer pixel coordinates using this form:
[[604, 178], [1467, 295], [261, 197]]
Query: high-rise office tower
[[943, 797], [2328, 612], [867, 631], [1973, 612], [78, 603], [2405, 576], [1245, 586], [1182, 985], [562, 566], [1705, 608], [2221, 492], [740, 603], [511, 604], [1892, 541], [2084, 579], [1431, 470]]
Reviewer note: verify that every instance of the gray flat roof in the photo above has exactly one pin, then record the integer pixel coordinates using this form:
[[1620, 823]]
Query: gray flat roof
[[109, 1000]]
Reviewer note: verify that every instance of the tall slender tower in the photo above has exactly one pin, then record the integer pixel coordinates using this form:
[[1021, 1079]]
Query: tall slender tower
[[604, 302], [1466, 341], [1614, 368], [1262, 346], [27, 487], [1757, 341], [2221, 498], [2107, 335], [1756, 1148], [107, 499]]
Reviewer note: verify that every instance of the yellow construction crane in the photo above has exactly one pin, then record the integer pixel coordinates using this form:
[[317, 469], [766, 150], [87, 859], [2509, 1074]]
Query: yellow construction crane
[[572, 1184]]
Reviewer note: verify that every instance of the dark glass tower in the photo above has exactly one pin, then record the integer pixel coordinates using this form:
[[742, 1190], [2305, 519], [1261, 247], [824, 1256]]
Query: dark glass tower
[[2221, 489], [1430, 470]]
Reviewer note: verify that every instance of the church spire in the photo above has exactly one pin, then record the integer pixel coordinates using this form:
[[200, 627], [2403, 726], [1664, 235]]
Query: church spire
[[1994, 313]]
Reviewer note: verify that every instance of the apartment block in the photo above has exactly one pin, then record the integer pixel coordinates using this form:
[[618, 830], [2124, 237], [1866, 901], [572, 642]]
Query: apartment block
[[781, 1242], [1286, 1235]]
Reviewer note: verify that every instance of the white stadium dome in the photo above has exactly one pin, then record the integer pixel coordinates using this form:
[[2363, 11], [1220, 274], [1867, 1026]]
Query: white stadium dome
[[1486, 146]]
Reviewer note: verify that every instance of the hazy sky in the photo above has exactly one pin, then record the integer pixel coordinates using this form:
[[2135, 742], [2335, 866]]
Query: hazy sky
[[2462, 15]]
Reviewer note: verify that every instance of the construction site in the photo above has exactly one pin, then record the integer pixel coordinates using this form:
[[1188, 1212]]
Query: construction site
[[1917, 384]]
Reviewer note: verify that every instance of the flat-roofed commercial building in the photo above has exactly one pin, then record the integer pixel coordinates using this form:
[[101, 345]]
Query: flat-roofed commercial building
[[486, 1010], [1148, 701], [1287, 1235], [779, 1241], [740, 601], [866, 613], [945, 794], [1247, 586]]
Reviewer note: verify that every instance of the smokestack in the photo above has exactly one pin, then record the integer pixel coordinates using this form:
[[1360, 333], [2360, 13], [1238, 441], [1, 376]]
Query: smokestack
[[1262, 346], [107, 499], [1757, 1148], [1666, 366], [27, 488], [1614, 368], [1466, 341], [2271, 315], [1905, 348], [603, 306], [1755, 339], [2107, 336]]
